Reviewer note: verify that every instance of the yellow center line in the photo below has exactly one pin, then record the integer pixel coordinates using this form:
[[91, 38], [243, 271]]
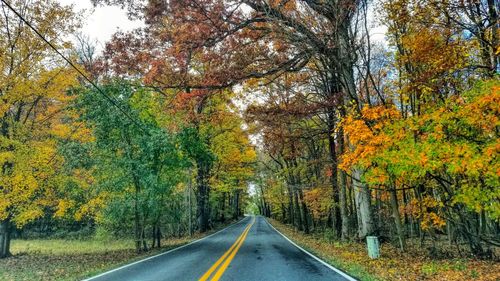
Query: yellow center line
[[221, 259], [226, 263]]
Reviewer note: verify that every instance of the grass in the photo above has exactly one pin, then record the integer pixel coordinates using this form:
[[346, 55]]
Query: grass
[[415, 264], [59, 259], [60, 246], [56, 259]]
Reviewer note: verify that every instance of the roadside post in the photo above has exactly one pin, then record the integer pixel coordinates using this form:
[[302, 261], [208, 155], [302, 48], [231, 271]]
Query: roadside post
[[373, 246]]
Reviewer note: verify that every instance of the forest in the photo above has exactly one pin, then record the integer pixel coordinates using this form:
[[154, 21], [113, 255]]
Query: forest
[[283, 108]]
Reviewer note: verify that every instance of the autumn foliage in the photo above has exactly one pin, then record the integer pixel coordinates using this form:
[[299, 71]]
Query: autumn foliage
[[287, 106]]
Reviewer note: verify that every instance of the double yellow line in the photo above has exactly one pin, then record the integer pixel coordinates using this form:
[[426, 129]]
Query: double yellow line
[[227, 257]]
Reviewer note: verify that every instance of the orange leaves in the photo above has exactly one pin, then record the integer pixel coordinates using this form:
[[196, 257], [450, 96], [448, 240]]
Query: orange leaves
[[329, 172], [367, 135], [318, 200], [428, 210], [452, 146], [380, 113], [285, 5]]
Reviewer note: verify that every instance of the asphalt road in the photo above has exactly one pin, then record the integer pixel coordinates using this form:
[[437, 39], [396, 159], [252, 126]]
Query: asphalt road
[[248, 250]]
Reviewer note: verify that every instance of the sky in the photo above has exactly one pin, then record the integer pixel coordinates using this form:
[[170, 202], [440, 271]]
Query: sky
[[100, 23]]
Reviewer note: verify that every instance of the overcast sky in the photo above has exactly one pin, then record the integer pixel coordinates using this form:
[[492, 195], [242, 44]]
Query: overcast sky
[[101, 23]]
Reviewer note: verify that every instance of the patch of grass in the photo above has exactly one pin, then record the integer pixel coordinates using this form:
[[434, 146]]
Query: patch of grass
[[61, 246], [414, 264], [430, 268]]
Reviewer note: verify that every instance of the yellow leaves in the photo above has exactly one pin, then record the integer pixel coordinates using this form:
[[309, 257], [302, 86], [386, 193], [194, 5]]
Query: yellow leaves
[[29, 182], [61, 130], [63, 206], [29, 214], [250, 155], [4, 205], [252, 83], [33, 105], [92, 207], [6, 156]]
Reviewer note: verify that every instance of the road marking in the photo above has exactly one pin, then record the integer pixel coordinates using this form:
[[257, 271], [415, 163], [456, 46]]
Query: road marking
[[164, 253], [224, 266], [231, 253], [221, 259], [349, 278]]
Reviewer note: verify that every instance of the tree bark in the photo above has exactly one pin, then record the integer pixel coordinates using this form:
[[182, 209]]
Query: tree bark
[[342, 186], [305, 222], [363, 206], [202, 195], [236, 210], [5, 232], [158, 236], [137, 219], [397, 219], [336, 217], [298, 220]]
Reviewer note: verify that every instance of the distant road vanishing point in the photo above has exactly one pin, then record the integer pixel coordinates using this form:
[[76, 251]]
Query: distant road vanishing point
[[250, 249]]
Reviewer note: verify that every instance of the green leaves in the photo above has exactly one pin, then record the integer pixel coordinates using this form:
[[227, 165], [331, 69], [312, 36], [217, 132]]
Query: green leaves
[[129, 158]]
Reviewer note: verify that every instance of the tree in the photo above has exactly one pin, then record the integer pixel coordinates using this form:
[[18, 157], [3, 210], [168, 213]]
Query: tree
[[137, 164], [215, 141], [33, 84]]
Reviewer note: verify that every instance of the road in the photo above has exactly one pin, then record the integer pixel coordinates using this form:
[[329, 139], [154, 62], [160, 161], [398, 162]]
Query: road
[[248, 250]]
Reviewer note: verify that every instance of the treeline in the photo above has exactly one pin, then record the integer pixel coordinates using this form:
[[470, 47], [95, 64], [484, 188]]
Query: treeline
[[112, 157]]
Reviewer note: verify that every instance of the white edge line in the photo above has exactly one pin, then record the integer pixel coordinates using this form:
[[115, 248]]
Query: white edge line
[[350, 278], [164, 253]]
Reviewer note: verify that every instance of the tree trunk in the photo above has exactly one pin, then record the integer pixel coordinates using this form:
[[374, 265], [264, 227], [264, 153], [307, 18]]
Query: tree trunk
[[298, 220], [336, 217], [363, 206], [304, 212], [236, 206], [153, 236], [283, 213], [5, 232], [223, 207], [397, 219], [158, 236], [202, 195], [343, 206], [137, 220], [143, 239], [342, 186], [291, 217]]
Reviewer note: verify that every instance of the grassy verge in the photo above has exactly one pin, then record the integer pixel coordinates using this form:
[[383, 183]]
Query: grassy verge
[[57, 259], [392, 265]]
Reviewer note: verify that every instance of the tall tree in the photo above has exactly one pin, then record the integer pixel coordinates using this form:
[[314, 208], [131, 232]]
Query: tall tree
[[33, 84], [137, 165]]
